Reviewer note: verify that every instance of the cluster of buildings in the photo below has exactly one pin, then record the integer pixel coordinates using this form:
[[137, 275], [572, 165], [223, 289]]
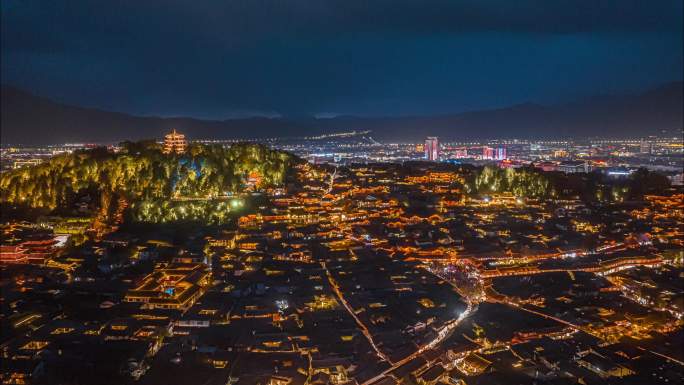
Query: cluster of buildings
[[433, 154], [12, 157], [375, 273], [29, 251], [617, 158], [375, 267], [17, 157]]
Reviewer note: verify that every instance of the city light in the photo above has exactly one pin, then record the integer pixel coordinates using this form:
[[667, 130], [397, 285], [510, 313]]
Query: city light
[[342, 193]]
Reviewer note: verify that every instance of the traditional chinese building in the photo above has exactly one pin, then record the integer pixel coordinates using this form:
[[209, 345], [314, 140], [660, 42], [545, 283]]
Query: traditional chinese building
[[174, 142], [34, 251], [176, 286]]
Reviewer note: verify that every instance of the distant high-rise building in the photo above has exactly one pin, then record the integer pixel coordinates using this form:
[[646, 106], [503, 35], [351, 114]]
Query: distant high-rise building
[[560, 154], [432, 148], [462, 152], [487, 153], [677, 180], [646, 147], [498, 153], [174, 142], [570, 167]]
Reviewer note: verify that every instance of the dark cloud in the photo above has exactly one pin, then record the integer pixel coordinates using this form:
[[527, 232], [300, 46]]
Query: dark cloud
[[222, 58]]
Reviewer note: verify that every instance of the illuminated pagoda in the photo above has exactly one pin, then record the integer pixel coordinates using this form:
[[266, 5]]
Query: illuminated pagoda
[[174, 142]]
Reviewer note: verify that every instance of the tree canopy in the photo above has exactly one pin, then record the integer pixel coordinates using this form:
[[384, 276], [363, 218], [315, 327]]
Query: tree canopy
[[140, 172]]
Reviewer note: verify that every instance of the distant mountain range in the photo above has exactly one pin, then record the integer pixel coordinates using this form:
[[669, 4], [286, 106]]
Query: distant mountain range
[[30, 119]]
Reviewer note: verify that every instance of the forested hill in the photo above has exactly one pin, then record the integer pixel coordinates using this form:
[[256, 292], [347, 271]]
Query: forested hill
[[145, 177]]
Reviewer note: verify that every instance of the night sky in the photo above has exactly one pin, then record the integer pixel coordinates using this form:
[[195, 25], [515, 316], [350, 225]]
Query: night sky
[[229, 58]]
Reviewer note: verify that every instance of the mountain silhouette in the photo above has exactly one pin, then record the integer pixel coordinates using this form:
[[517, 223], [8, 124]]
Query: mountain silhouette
[[31, 119]]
